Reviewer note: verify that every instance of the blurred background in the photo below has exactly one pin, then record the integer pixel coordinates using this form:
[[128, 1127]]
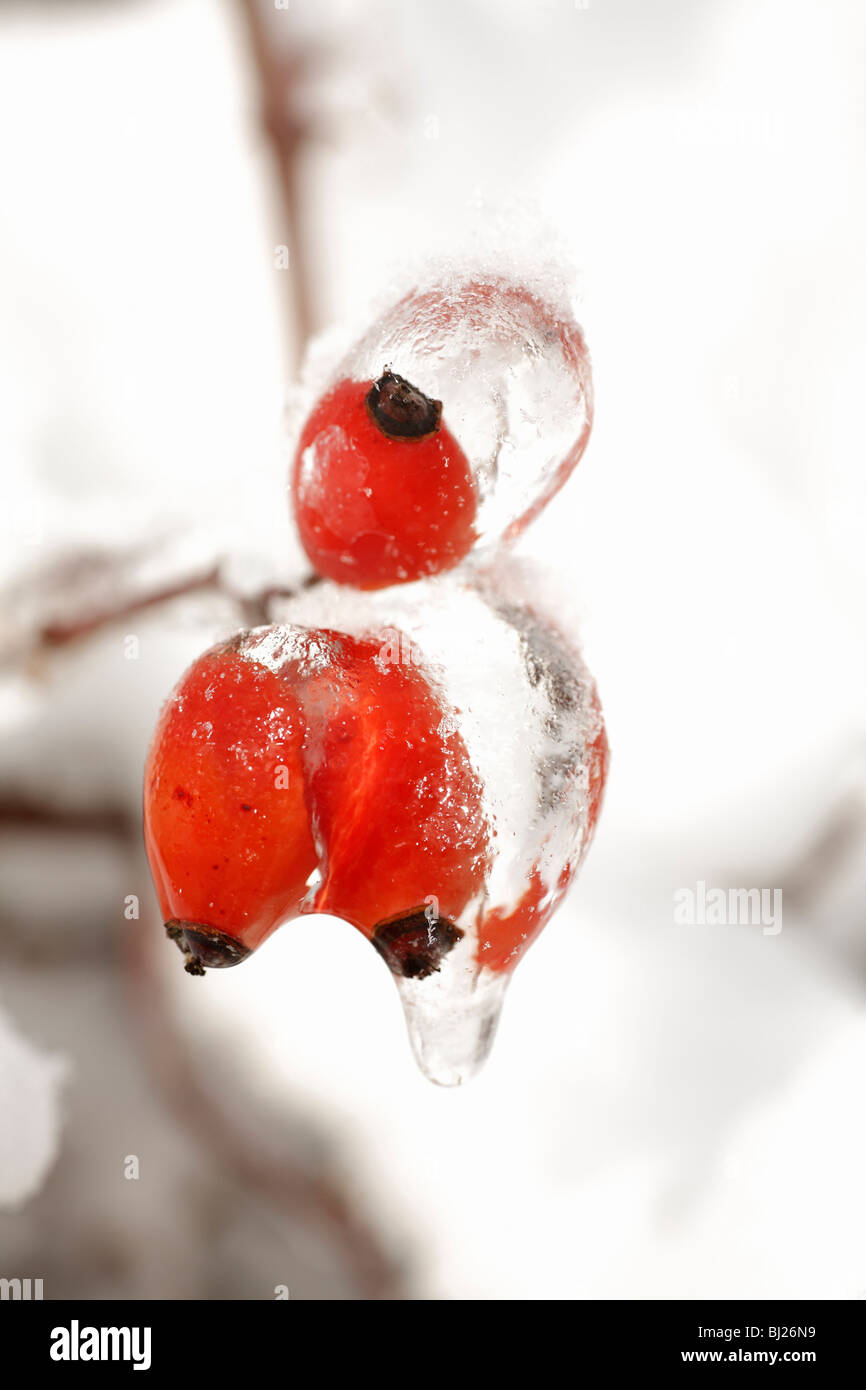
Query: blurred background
[[193, 188]]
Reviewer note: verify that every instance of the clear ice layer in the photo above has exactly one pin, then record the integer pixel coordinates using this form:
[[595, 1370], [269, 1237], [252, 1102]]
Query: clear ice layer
[[513, 374], [515, 690]]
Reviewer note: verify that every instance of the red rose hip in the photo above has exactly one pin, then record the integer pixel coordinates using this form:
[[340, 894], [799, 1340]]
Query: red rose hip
[[382, 491], [225, 821], [483, 414], [432, 777], [284, 730]]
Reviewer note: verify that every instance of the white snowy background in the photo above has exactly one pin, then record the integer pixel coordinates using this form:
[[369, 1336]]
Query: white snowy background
[[668, 1111]]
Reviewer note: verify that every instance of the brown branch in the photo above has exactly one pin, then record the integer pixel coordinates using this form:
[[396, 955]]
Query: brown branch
[[821, 862], [253, 610], [25, 813], [58, 634], [287, 133]]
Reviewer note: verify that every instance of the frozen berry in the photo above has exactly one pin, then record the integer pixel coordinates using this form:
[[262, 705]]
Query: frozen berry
[[433, 777], [482, 416], [382, 491], [397, 804], [284, 730], [225, 820]]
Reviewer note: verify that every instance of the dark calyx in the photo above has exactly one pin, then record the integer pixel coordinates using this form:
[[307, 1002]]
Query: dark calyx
[[400, 410], [204, 946], [414, 945]]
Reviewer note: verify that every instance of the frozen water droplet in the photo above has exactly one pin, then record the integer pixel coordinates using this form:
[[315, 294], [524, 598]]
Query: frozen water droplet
[[451, 1005], [452, 1018]]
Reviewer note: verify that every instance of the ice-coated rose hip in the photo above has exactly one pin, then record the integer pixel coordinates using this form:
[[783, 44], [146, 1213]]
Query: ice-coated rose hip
[[448, 426], [225, 820], [390, 788], [505, 787], [430, 771], [383, 492], [284, 730]]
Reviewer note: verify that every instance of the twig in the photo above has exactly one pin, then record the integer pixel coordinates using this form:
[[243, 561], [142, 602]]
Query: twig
[[252, 609], [821, 862], [57, 634], [23, 813], [287, 133]]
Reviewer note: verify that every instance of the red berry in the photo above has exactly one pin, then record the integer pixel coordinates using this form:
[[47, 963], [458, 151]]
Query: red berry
[[225, 819], [301, 770], [396, 801], [514, 372], [382, 491], [286, 730]]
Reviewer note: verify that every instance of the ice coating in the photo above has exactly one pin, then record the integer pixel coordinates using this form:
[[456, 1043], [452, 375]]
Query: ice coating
[[512, 372], [452, 1018], [429, 771], [519, 691], [528, 712], [513, 375]]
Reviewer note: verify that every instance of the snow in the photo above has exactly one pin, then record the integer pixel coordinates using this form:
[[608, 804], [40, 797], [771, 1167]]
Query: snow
[[665, 1112], [30, 1102]]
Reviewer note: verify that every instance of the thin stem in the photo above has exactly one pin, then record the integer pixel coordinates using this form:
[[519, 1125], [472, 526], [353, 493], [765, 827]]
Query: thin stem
[[58, 634], [287, 134], [253, 610]]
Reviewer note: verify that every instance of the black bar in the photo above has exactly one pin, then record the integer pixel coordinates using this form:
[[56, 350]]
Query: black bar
[[236, 1338]]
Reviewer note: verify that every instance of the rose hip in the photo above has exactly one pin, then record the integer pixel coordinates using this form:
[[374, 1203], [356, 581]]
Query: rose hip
[[225, 820], [382, 491]]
